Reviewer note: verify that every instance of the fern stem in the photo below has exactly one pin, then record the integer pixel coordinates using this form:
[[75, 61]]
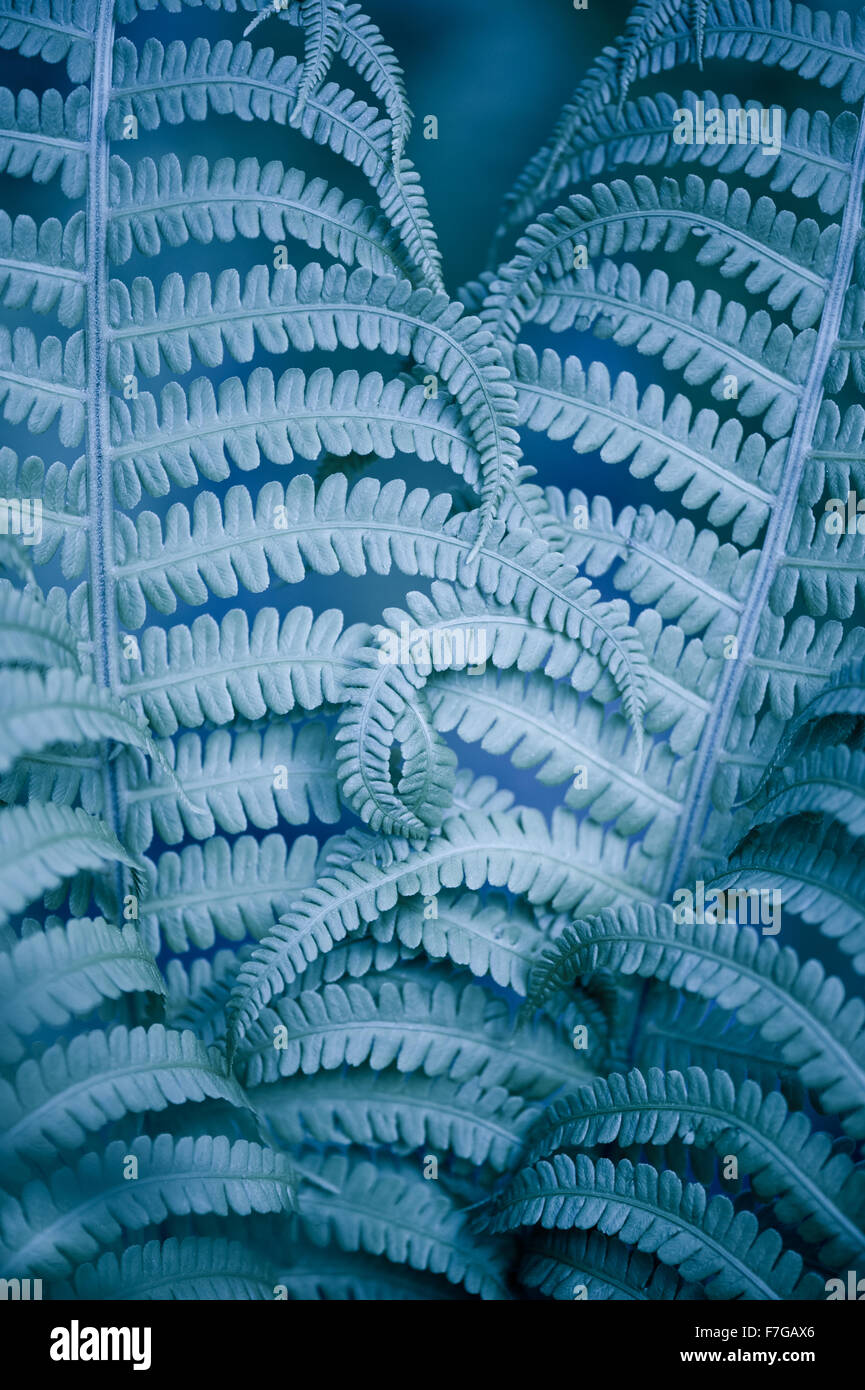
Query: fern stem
[[99, 498], [695, 808]]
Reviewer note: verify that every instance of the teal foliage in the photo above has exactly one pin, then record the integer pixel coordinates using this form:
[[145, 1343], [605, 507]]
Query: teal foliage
[[296, 1000]]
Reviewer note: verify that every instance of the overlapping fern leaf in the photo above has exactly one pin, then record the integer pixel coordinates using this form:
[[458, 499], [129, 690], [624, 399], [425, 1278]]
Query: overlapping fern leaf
[[593, 1029]]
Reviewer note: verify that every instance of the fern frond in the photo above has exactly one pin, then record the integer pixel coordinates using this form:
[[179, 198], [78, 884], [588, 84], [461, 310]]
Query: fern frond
[[63, 707], [51, 977], [685, 575], [41, 380], [217, 671], [482, 1125], [196, 1267], [362, 46], [515, 849], [62, 492], [705, 1239], [42, 265], [400, 1216], [648, 21], [548, 728], [325, 310], [828, 782], [813, 160], [177, 83], [287, 532], [681, 1030], [486, 935], [232, 782], [41, 845], [43, 136], [801, 1010], [60, 1224], [54, 30], [52, 1104], [786, 260], [716, 464], [164, 204], [207, 430], [235, 889], [821, 1194], [457, 1030], [704, 338], [34, 633], [558, 1265], [387, 705], [816, 871], [321, 26]]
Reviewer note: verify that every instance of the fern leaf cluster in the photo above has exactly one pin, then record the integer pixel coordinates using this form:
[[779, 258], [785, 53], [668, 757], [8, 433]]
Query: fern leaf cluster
[[297, 999]]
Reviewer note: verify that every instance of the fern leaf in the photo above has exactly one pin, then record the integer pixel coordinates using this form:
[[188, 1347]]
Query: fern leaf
[[406, 1113], [74, 1089], [196, 1267], [34, 633], [788, 262], [62, 707], [217, 671], [363, 48], [42, 265], [324, 309], [41, 845], [559, 1265], [486, 935], [380, 700], [401, 1217], [62, 492], [321, 26], [828, 782], [285, 533], [813, 160], [458, 1031], [51, 977], [822, 1194], [235, 889], [240, 424], [735, 476], [706, 339], [798, 1007], [513, 849], [25, 364], [43, 136], [54, 30], [648, 21], [61, 1224], [548, 728], [705, 1239], [680, 1031], [817, 873], [175, 83], [163, 204], [232, 783]]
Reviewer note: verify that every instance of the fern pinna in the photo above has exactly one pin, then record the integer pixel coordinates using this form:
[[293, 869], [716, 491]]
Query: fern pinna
[[294, 1005]]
